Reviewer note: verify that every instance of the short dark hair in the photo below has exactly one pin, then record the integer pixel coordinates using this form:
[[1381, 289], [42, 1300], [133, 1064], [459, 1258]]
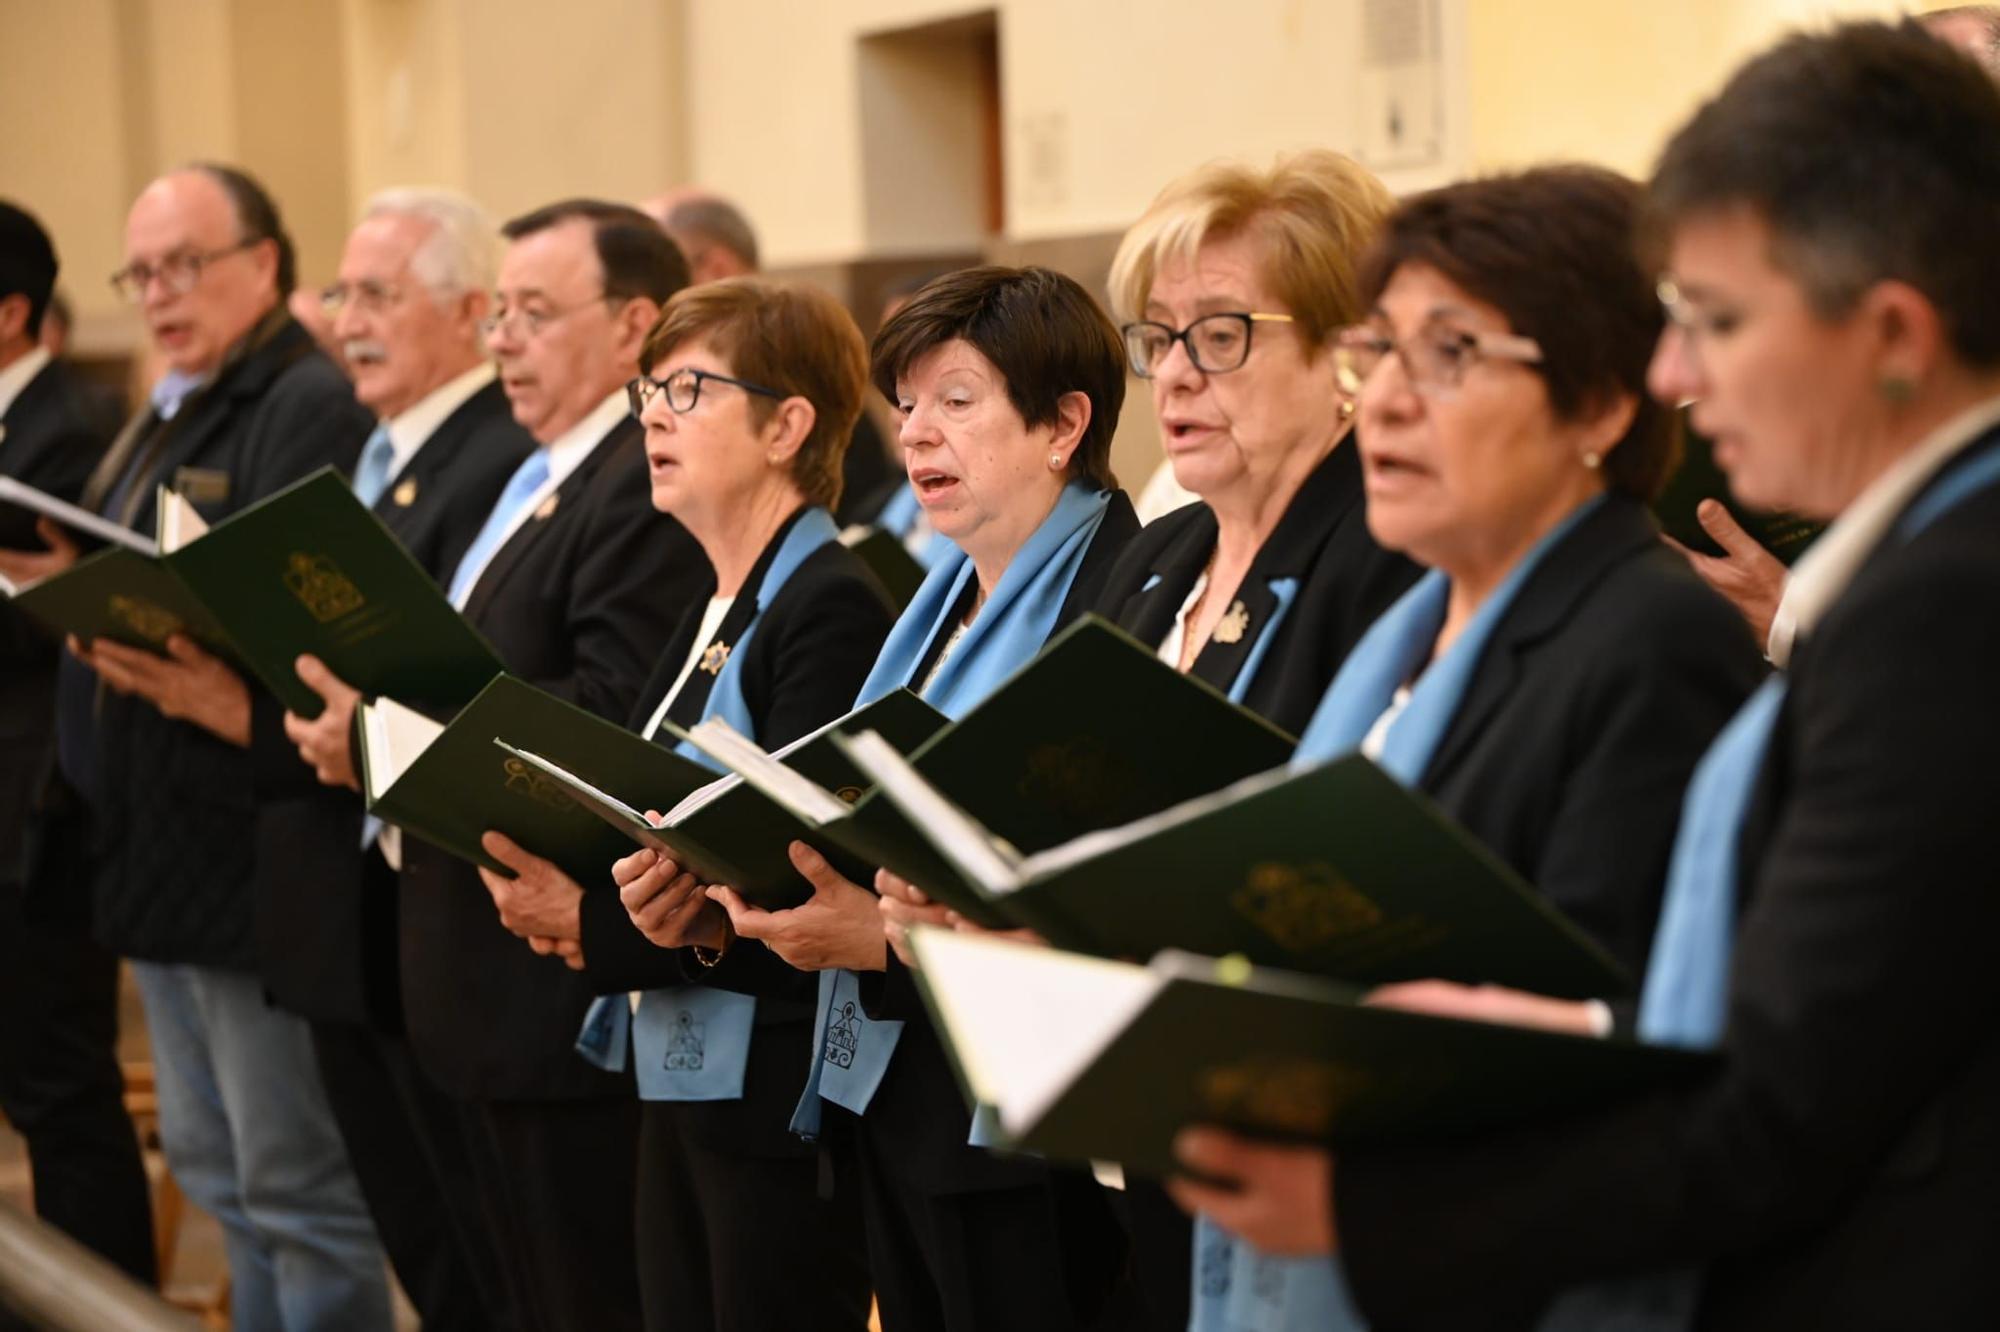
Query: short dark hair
[[1872, 151], [1552, 249], [1041, 330], [638, 258], [27, 262], [717, 221], [786, 336], [256, 217]]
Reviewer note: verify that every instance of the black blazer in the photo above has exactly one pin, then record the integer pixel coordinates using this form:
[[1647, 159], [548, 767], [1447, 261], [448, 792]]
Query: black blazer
[[325, 911], [578, 602], [1345, 582], [803, 666], [173, 803], [1597, 694], [1839, 1169], [50, 438]]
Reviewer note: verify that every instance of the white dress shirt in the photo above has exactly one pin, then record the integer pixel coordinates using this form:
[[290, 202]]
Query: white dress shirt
[[16, 376], [410, 429]]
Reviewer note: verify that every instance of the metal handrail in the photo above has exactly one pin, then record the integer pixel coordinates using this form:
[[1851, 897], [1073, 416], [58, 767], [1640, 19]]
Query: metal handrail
[[58, 1285]]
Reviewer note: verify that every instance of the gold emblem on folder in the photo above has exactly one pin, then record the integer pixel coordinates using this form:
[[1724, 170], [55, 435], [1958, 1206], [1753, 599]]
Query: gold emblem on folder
[[1304, 907], [849, 795], [532, 783], [325, 592], [1234, 623], [406, 493], [547, 507], [1084, 779], [1290, 1095], [714, 657], [155, 624]]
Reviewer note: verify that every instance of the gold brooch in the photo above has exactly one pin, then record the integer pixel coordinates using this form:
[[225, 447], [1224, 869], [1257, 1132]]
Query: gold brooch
[[1232, 626], [547, 507], [406, 493], [714, 657]]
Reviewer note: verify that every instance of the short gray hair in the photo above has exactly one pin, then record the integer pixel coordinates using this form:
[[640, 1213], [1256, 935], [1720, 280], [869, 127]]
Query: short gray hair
[[716, 221], [462, 252]]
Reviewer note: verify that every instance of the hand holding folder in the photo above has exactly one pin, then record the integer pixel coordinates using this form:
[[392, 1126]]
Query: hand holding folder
[[306, 570], [1338, 870], [1085, 1058]]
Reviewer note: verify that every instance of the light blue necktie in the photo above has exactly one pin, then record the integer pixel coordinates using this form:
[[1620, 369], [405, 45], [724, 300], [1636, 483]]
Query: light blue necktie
[[171, 390], [371, 475], [528, 478]]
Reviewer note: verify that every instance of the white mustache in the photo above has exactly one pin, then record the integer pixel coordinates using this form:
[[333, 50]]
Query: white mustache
[[363, 349]]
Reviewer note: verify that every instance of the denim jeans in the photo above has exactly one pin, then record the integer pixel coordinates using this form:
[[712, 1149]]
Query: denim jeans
[[250, 1140]]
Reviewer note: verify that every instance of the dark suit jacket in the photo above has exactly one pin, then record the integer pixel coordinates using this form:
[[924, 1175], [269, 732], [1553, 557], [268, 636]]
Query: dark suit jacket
[[325, 911], [1345, 582], [173, 804], [1839, 1169], [803, 666], [580, 603], [52, 439]]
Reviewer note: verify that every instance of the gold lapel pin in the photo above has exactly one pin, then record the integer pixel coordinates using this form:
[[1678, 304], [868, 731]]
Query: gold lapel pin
[[714, 657], [548, 507], [1233, 625], [406, 493]]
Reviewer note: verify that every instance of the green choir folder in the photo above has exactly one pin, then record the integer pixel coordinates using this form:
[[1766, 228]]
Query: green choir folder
[[1338, 870], [1088, 1059], [888, 558], [1095, 731], [449, 784], [730, 831], [132, 591], [308, 569], [22, 506]]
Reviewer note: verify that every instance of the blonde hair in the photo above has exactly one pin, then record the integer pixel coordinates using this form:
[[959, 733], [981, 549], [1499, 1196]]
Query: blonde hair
[[1315, 212]]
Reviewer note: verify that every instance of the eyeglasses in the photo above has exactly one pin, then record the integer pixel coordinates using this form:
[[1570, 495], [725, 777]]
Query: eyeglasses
[[1216, 343], [532, 320], [178, 272], [683, 389], [1436, 358], [1697, 325], [367, 296]]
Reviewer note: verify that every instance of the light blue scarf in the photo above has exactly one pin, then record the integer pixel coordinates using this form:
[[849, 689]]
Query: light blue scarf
[[1237, 1287], [1685, 1000], [692, 1042], [852, 1052]]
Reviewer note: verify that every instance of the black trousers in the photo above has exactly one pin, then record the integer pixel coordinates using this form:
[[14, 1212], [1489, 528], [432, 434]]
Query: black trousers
[[61, 1088], [1044, 1255], [1162, 1254], [407, 1146], [556, 1186], [740, 1243]]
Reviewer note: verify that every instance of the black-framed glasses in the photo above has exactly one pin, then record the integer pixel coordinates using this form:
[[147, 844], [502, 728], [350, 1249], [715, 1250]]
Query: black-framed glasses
[[1436, 357], [683, 389], [178, 272], [368, 296], [1216, 343], [531, 320]]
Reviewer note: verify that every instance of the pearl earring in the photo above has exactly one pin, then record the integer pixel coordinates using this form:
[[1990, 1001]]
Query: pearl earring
[[1593, 460], [1055, 462]]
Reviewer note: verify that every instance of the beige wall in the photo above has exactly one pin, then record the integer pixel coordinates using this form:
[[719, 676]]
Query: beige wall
[[518, 101]]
